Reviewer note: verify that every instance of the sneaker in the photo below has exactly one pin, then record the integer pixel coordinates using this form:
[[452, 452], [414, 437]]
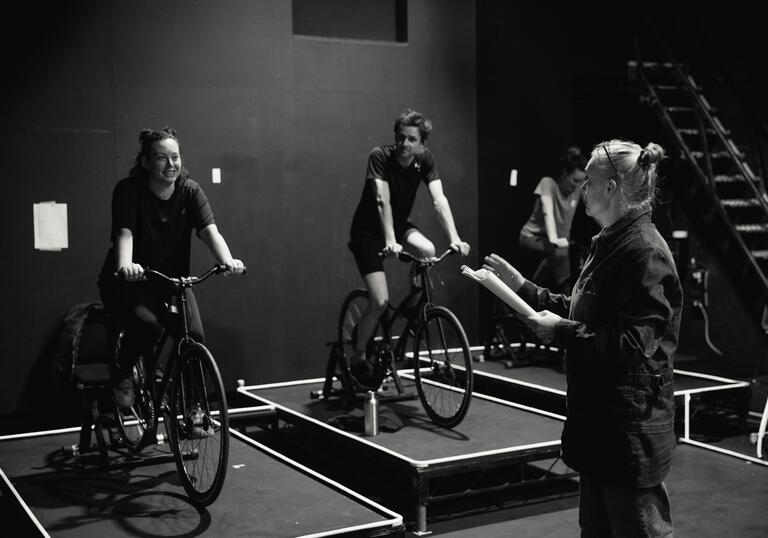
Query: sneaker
[[363, 375], [122, 387], [199, 428]]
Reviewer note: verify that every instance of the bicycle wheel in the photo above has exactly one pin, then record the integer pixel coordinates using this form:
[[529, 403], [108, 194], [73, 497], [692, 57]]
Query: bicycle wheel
[[199, 424], [444, 373], [138, 424], [352, 309]]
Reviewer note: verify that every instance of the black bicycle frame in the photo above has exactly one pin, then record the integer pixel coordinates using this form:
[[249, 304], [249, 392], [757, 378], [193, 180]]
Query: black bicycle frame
[[424, 302], [180, 284]]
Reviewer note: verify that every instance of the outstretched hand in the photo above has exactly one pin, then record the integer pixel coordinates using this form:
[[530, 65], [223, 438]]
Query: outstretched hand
[[504, 270], [543, 324]]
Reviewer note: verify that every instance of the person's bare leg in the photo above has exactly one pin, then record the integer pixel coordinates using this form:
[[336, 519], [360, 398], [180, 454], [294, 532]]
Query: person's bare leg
[[378, 295], [417, 244]]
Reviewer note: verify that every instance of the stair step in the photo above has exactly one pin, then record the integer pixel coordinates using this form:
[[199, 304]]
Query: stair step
[[752, 228], [712, 154], [694, 132], [740, 202], [658, 65], [760, 254], [680, 109], [723, 178]]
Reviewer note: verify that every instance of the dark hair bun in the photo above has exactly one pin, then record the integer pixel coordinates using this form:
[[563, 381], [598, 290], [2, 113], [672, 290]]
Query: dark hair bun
[[145, 134], [651, 154]]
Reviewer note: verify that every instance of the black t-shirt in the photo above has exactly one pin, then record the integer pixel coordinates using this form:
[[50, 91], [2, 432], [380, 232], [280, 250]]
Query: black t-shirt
[[403, 185], [162, 229]]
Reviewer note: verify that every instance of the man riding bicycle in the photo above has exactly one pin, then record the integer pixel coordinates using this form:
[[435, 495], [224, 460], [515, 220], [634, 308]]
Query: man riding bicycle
[[380, 223]]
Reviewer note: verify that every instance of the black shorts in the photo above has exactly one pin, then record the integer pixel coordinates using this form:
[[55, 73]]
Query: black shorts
[[365, 248]]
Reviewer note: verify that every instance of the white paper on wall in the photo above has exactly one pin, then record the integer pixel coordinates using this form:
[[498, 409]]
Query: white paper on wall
[[50, 221]]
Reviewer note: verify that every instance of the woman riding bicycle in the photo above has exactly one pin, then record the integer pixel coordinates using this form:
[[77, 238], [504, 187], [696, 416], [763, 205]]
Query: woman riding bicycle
[[154, 211], [544, 239], [381, 223]]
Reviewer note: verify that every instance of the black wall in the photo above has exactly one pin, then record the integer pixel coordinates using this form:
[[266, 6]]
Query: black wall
[[289, 120], [524, 92]]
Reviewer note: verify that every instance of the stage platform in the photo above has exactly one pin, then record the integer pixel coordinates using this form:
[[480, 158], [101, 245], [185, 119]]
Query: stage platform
[[500, 445], [711, 495], [542, 384], [265, 493]]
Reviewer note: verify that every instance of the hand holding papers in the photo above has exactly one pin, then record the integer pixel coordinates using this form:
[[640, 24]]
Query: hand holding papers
[[498, 288]]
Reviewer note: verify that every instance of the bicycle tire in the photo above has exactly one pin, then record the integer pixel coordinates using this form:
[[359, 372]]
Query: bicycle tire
[[355, 303], [444, 373], [199, 424], [138, 425]]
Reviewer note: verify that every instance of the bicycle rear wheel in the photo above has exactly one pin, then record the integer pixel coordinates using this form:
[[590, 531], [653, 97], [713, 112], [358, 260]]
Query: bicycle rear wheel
[[199, 425], [138, 425], [351, 311], [443, 369], [378, 347]]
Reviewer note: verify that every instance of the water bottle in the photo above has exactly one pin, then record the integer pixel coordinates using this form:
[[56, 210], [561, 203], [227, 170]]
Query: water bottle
[[371, 414]]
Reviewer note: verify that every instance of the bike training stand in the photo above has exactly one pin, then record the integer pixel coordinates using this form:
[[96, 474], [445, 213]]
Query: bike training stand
[[339, 383], [526, 350], [92, 384]]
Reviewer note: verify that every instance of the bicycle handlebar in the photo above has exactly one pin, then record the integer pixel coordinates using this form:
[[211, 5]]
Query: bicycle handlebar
[[187, 281], [421, 261]]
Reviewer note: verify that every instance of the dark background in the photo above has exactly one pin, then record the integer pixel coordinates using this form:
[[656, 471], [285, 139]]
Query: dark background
[[290, 120]]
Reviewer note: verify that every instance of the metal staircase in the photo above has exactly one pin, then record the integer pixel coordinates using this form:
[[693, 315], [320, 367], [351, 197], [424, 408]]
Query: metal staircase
[[725, 191]]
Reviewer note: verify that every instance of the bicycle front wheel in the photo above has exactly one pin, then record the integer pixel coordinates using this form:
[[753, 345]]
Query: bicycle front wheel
[[199, 424], [443, 367]]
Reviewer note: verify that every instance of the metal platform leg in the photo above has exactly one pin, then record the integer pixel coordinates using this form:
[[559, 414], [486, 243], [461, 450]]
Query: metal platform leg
[[421, 487]]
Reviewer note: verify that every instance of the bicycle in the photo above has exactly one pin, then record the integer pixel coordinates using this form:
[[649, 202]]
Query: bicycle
[[196, 415], [506, 328], [441, 361]]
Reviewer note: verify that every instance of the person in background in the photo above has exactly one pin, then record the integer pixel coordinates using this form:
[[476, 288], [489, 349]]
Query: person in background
[[154, 211], [544, 239], [619, 329], [380, 223]]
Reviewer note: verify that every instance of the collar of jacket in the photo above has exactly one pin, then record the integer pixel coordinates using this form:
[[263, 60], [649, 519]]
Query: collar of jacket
[[629, 218]]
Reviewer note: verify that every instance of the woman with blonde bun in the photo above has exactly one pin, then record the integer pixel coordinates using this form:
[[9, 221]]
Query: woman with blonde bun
[[619, 328]]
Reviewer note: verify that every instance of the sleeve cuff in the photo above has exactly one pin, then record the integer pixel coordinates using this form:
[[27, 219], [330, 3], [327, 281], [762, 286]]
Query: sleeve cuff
[[529, 292], [565, 330]]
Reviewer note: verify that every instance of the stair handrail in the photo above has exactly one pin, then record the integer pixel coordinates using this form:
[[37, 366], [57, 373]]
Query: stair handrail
[[704, 106], [686, 150]]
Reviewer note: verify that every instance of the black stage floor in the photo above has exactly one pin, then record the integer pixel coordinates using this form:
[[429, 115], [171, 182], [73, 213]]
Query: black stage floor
[[504, 448], [711, 495], [495, 425], [545, 377], [712, 411], [500, 446], [492, 425], [265, 494]]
